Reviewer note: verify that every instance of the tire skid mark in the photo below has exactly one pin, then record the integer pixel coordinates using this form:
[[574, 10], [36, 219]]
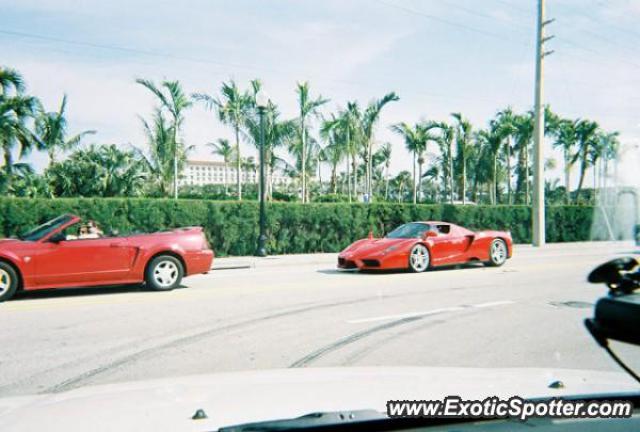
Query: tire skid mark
[[185, 340], [341, 343], [365, 351]]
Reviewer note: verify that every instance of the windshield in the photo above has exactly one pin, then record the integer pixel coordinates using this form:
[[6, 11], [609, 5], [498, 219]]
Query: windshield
[[411, 230], [45, 229]]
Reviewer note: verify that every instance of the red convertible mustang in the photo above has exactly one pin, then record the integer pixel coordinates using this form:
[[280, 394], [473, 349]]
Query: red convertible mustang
[[64, 253], [418, 246]]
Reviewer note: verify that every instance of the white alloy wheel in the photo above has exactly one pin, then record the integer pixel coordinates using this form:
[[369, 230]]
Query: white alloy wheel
[[419, 258], [5, 281], [165, 273], [498, 252]]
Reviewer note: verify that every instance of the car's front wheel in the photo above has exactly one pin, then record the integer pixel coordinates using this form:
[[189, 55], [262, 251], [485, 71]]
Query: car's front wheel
[[497, 253], [419, 258], [164, 273], [8, 281]]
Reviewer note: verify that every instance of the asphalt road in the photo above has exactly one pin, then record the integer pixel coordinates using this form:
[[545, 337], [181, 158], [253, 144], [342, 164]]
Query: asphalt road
[[300, 312]]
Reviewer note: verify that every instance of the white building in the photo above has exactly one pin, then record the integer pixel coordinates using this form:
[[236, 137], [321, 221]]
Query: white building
[[201, 172]]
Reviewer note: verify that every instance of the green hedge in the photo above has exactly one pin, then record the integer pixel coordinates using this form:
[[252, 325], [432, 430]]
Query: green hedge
[[232, 227]]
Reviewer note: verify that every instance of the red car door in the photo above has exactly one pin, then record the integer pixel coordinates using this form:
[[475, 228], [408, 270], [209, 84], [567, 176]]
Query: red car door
[[450, 245], [83, 262]]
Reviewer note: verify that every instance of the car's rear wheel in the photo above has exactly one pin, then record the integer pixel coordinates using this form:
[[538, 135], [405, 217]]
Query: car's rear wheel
[[419, 258], [497, 253], [8, 281], [164, 273]]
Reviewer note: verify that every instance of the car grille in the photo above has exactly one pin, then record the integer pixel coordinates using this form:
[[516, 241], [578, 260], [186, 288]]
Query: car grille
[[371, 263], [346, 264]]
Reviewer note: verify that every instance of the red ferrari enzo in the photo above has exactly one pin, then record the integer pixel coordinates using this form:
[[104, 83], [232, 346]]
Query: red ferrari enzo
[[64, 253], [418, 246]]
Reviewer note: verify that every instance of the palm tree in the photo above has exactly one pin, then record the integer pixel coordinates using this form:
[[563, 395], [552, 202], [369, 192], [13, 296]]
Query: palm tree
[[175, 102], [224, 149], [16, 109], [278, 133], [610, 148], [399, 182], [445, 142], [51, 128], [385, 154], [249, 166], [566, 138], [415, 142], [233, 108], [587, 140], [159, 159], [335, 149], [306, 107], [370, 118], [464, 148], [506, 118], [346, 126], [490, 141], [523, 125], [105, 171]]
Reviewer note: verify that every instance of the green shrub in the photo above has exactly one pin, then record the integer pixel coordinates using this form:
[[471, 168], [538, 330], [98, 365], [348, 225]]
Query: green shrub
[[232, 227]]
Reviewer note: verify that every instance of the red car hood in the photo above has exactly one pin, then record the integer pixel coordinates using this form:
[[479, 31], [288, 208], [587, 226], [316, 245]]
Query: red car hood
[[367, 247]]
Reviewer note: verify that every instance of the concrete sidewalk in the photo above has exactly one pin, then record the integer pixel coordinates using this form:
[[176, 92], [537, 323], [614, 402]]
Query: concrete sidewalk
[[229, 263]]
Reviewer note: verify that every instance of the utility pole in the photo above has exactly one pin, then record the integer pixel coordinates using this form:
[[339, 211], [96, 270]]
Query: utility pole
[[538, 217]]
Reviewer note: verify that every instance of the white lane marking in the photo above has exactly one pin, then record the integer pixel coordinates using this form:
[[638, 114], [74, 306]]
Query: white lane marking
[[430, 312], [491, 304]]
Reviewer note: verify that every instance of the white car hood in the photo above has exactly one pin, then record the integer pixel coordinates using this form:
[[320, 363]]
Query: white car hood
[[242, 397]]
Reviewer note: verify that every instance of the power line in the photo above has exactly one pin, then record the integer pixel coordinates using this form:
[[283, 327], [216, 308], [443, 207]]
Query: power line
[[449, 22], [127, 50], [131, 50]]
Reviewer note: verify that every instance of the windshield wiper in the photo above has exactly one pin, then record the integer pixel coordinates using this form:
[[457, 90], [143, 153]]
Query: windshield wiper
[[310, 421]]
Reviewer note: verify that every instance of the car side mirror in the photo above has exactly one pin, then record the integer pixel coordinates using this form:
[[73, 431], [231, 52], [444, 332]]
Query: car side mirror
[[57, 238], [428, 234]]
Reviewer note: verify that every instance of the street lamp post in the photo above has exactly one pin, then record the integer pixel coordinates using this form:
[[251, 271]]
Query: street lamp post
[[261, 103]]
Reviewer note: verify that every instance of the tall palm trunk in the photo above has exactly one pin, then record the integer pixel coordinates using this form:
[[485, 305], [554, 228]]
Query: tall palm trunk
[[415, 189], [8, 168], [526, 173], [175, 158], [494, 189], [419, 192], [334, 179], [370, 169], [238, 163], [464, 178], [354, 165], [303, 171], [583, 170], [567, 175], [386, 183], [348, 178], [451, 172], [509, 171], [226, 190]]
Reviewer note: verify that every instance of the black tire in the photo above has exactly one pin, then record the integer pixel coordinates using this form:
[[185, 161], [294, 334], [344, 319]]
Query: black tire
[[498, 253], [164, 273], [8, 281], [416, 265]]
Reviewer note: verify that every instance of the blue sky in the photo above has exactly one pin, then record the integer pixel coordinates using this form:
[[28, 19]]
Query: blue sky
[[440, 57]]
